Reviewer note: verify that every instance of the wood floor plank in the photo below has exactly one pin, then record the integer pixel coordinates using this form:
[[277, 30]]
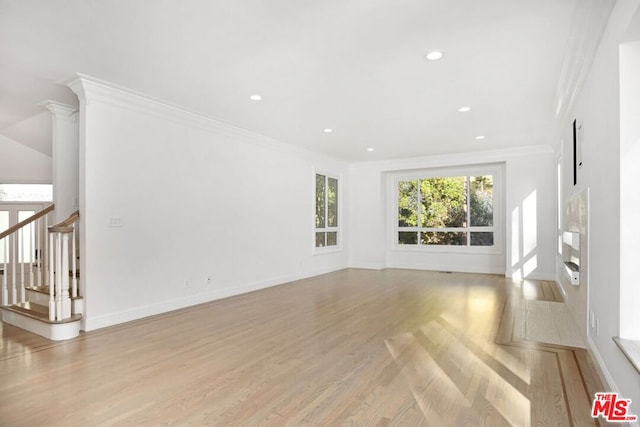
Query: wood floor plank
[[354, 347]]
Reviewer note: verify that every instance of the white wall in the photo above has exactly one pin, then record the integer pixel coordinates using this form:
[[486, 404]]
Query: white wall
[[196, 199], [19, 163], [598, 107], [529, 181], [629, 179]]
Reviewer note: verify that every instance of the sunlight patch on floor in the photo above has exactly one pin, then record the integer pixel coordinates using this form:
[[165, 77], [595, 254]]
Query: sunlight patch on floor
[[432, 389]]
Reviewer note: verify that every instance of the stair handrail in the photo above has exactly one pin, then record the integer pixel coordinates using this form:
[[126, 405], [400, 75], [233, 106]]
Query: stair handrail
[[75, 216], [27, 221]]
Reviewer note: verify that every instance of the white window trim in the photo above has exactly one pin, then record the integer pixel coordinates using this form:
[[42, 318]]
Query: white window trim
[[495, 169], [338, 229]]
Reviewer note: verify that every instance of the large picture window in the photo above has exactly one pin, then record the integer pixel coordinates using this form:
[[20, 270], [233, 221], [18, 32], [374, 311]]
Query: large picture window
[[326, 211], [447, 210]]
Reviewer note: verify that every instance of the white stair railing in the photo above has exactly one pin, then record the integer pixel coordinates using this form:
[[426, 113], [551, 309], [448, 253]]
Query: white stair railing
[[23, 250]]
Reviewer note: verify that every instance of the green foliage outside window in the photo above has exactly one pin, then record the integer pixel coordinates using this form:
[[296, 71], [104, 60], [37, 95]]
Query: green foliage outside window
[[326, 211], [446, 211]]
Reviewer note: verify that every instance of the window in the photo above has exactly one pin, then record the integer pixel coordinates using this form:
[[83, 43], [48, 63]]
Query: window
[[442, 210], [326, 211], [26, 192]]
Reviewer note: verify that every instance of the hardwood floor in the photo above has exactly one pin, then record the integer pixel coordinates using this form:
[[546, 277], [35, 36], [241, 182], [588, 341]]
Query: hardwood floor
[[354, 347]]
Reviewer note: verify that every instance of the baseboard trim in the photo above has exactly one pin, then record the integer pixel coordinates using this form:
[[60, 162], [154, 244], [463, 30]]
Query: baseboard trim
[[602, 366], [112, 319]]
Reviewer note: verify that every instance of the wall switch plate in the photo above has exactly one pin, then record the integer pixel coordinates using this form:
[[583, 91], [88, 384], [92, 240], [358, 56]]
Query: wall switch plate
[[114, 221]]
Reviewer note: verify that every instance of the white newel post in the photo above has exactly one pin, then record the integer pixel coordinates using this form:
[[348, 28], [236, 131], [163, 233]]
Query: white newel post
[[46, 259], [58, 275], [51, 280], [65, 299]]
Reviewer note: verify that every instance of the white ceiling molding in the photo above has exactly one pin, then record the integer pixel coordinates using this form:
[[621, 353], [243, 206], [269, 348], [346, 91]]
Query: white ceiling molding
[[586, 30]]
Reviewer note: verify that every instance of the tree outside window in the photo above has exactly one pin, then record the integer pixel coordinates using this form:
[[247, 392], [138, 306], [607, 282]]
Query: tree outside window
[[449, 211], [326, 211]]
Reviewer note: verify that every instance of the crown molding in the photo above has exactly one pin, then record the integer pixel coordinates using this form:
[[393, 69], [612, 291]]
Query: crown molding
[[457, 159], [58, 109], [92, 90]]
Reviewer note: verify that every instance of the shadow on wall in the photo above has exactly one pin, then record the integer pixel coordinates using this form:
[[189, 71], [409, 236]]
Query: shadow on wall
[[524, 237]]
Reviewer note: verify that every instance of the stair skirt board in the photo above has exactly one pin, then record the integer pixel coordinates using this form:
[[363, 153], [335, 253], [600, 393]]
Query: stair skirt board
[[52, 331]]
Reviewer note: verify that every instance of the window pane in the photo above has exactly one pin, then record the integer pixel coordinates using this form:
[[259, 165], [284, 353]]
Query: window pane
[[408, 204], [26, 192], [332, 238], [332, 202], [481, 239], [454, 238], [443, 202], [24, 255], [407, 238], [320, 198], [481, 201], [320, 242]]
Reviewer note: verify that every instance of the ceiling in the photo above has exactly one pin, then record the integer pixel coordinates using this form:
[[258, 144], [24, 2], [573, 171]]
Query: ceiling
[[357, 67]]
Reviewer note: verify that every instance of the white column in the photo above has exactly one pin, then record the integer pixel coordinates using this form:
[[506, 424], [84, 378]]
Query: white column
[[64, 119]]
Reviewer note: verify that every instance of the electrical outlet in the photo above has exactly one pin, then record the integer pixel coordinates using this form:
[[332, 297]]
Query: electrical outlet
[[592, 319], [597, 327]]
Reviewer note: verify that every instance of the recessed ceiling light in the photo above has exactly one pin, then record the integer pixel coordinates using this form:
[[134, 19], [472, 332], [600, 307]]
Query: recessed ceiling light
[[464, 109], [371, 149], [480, 137], [328, 130], [434, 55], [255, 97]]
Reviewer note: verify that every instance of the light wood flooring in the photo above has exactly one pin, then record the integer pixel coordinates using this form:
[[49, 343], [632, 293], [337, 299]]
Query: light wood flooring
[[354, 347]]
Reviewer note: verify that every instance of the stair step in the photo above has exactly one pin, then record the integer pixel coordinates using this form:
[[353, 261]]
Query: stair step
[[45, 290], [39, 312], [39, 289]]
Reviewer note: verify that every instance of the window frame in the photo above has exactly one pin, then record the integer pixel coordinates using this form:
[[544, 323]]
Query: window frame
[[327, 229], [496, 170]]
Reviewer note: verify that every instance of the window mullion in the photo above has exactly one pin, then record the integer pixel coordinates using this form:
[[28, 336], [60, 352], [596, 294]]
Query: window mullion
[[468, 190], [326, 208], [419, 210]]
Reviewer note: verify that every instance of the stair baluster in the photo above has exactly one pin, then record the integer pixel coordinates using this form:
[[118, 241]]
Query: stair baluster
[[5, 271], [14, 271], [32, 253], [74, 271]]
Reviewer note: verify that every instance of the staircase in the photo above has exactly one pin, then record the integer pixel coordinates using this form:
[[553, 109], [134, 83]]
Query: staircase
[[39, 276]]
